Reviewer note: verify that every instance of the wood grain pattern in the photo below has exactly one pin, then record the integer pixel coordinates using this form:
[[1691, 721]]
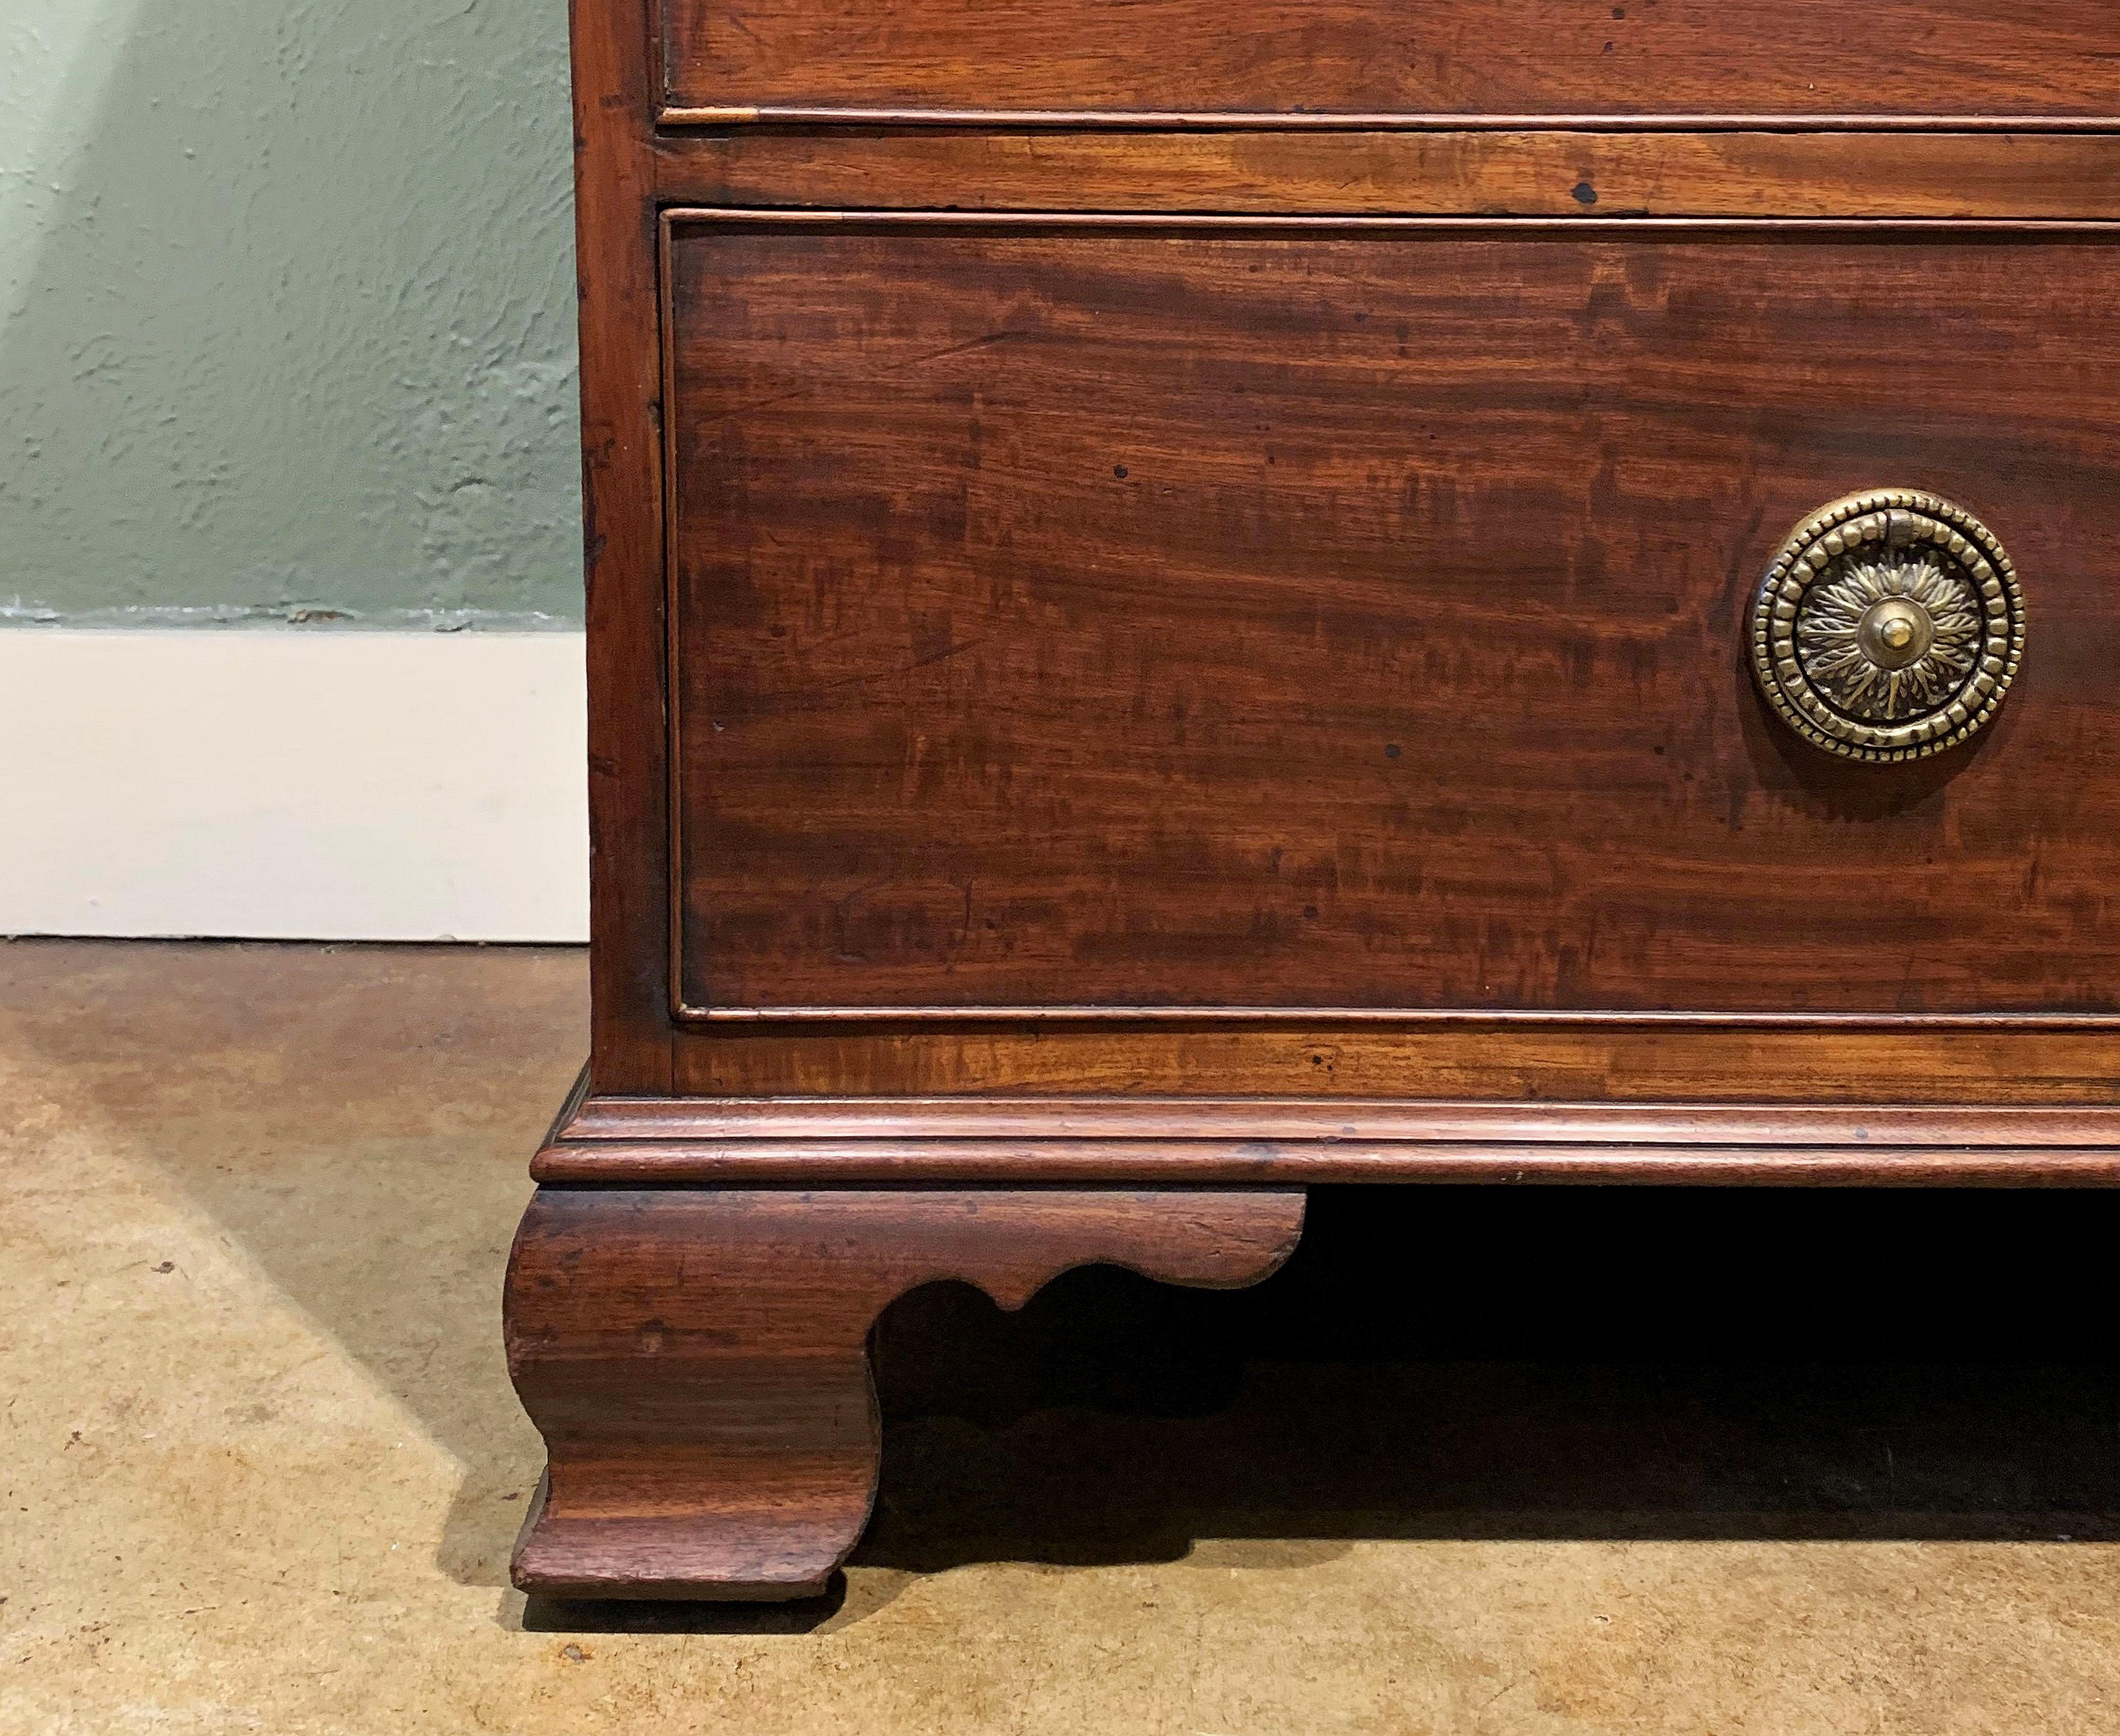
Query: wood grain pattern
[[617, 227], [1298, 617], [1074, 60], [938, 1141], [1529, 173], [1558, 1062], [696, 1363], [1163, 702]]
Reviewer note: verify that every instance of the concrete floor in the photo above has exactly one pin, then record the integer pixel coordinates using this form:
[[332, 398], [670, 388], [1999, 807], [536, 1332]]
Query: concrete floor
[[1538, 1462]]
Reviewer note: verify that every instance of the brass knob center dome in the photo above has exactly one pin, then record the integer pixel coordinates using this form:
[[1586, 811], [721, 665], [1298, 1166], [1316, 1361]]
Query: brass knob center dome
[[1896, 633]]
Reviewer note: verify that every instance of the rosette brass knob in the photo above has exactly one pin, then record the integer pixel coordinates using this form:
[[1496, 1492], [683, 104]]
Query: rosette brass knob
[[1890, 626]]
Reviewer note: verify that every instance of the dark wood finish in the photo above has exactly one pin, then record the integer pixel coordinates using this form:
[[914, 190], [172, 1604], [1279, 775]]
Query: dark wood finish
[[1077, 61], [598, 1121], [937, 1141], [695, 1361], [1057, 570], [1490, 173], [1193, 616], [615, 221], [1533, 1063]]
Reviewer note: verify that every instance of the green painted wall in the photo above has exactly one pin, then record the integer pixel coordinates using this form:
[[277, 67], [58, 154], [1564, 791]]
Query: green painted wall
[[286, 315]]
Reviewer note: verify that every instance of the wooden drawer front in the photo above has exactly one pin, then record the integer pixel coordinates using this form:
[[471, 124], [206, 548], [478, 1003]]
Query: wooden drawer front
[[1169, 615], [1302, 61]]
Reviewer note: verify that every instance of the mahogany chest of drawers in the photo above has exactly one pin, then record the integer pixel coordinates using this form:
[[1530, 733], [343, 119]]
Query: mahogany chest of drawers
[[1185, 603]]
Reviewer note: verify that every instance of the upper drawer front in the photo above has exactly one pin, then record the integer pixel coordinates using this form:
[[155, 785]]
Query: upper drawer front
[[1300, 616], [1304, 61]]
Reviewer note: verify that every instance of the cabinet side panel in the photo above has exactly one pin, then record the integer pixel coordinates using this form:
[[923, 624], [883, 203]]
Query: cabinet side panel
[[616, 235]]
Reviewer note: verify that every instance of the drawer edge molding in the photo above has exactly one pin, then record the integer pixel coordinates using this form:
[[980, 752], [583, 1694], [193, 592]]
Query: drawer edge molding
[[1197, 1016], [676, 217], [685, 1015], [687, 118]]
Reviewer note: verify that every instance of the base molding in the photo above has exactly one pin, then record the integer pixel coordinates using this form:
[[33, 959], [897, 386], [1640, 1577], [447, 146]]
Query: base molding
[[690, 1296], [1223, 1142]]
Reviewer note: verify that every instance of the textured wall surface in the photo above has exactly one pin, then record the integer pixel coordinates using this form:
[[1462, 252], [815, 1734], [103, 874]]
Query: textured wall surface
[[286, 318]]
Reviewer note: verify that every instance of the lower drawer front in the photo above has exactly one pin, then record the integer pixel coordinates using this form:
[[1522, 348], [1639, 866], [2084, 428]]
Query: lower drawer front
[[1308, 616]]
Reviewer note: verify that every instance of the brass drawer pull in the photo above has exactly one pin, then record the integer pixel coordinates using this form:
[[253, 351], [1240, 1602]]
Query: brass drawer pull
[[1889, 628]]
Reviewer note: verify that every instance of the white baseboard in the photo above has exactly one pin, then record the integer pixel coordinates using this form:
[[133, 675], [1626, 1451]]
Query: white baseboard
[[292, 785]]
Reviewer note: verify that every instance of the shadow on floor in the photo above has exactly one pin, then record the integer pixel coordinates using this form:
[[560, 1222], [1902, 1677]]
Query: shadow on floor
[[358, 1120], [1490, 1363], [1452, 1362]]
